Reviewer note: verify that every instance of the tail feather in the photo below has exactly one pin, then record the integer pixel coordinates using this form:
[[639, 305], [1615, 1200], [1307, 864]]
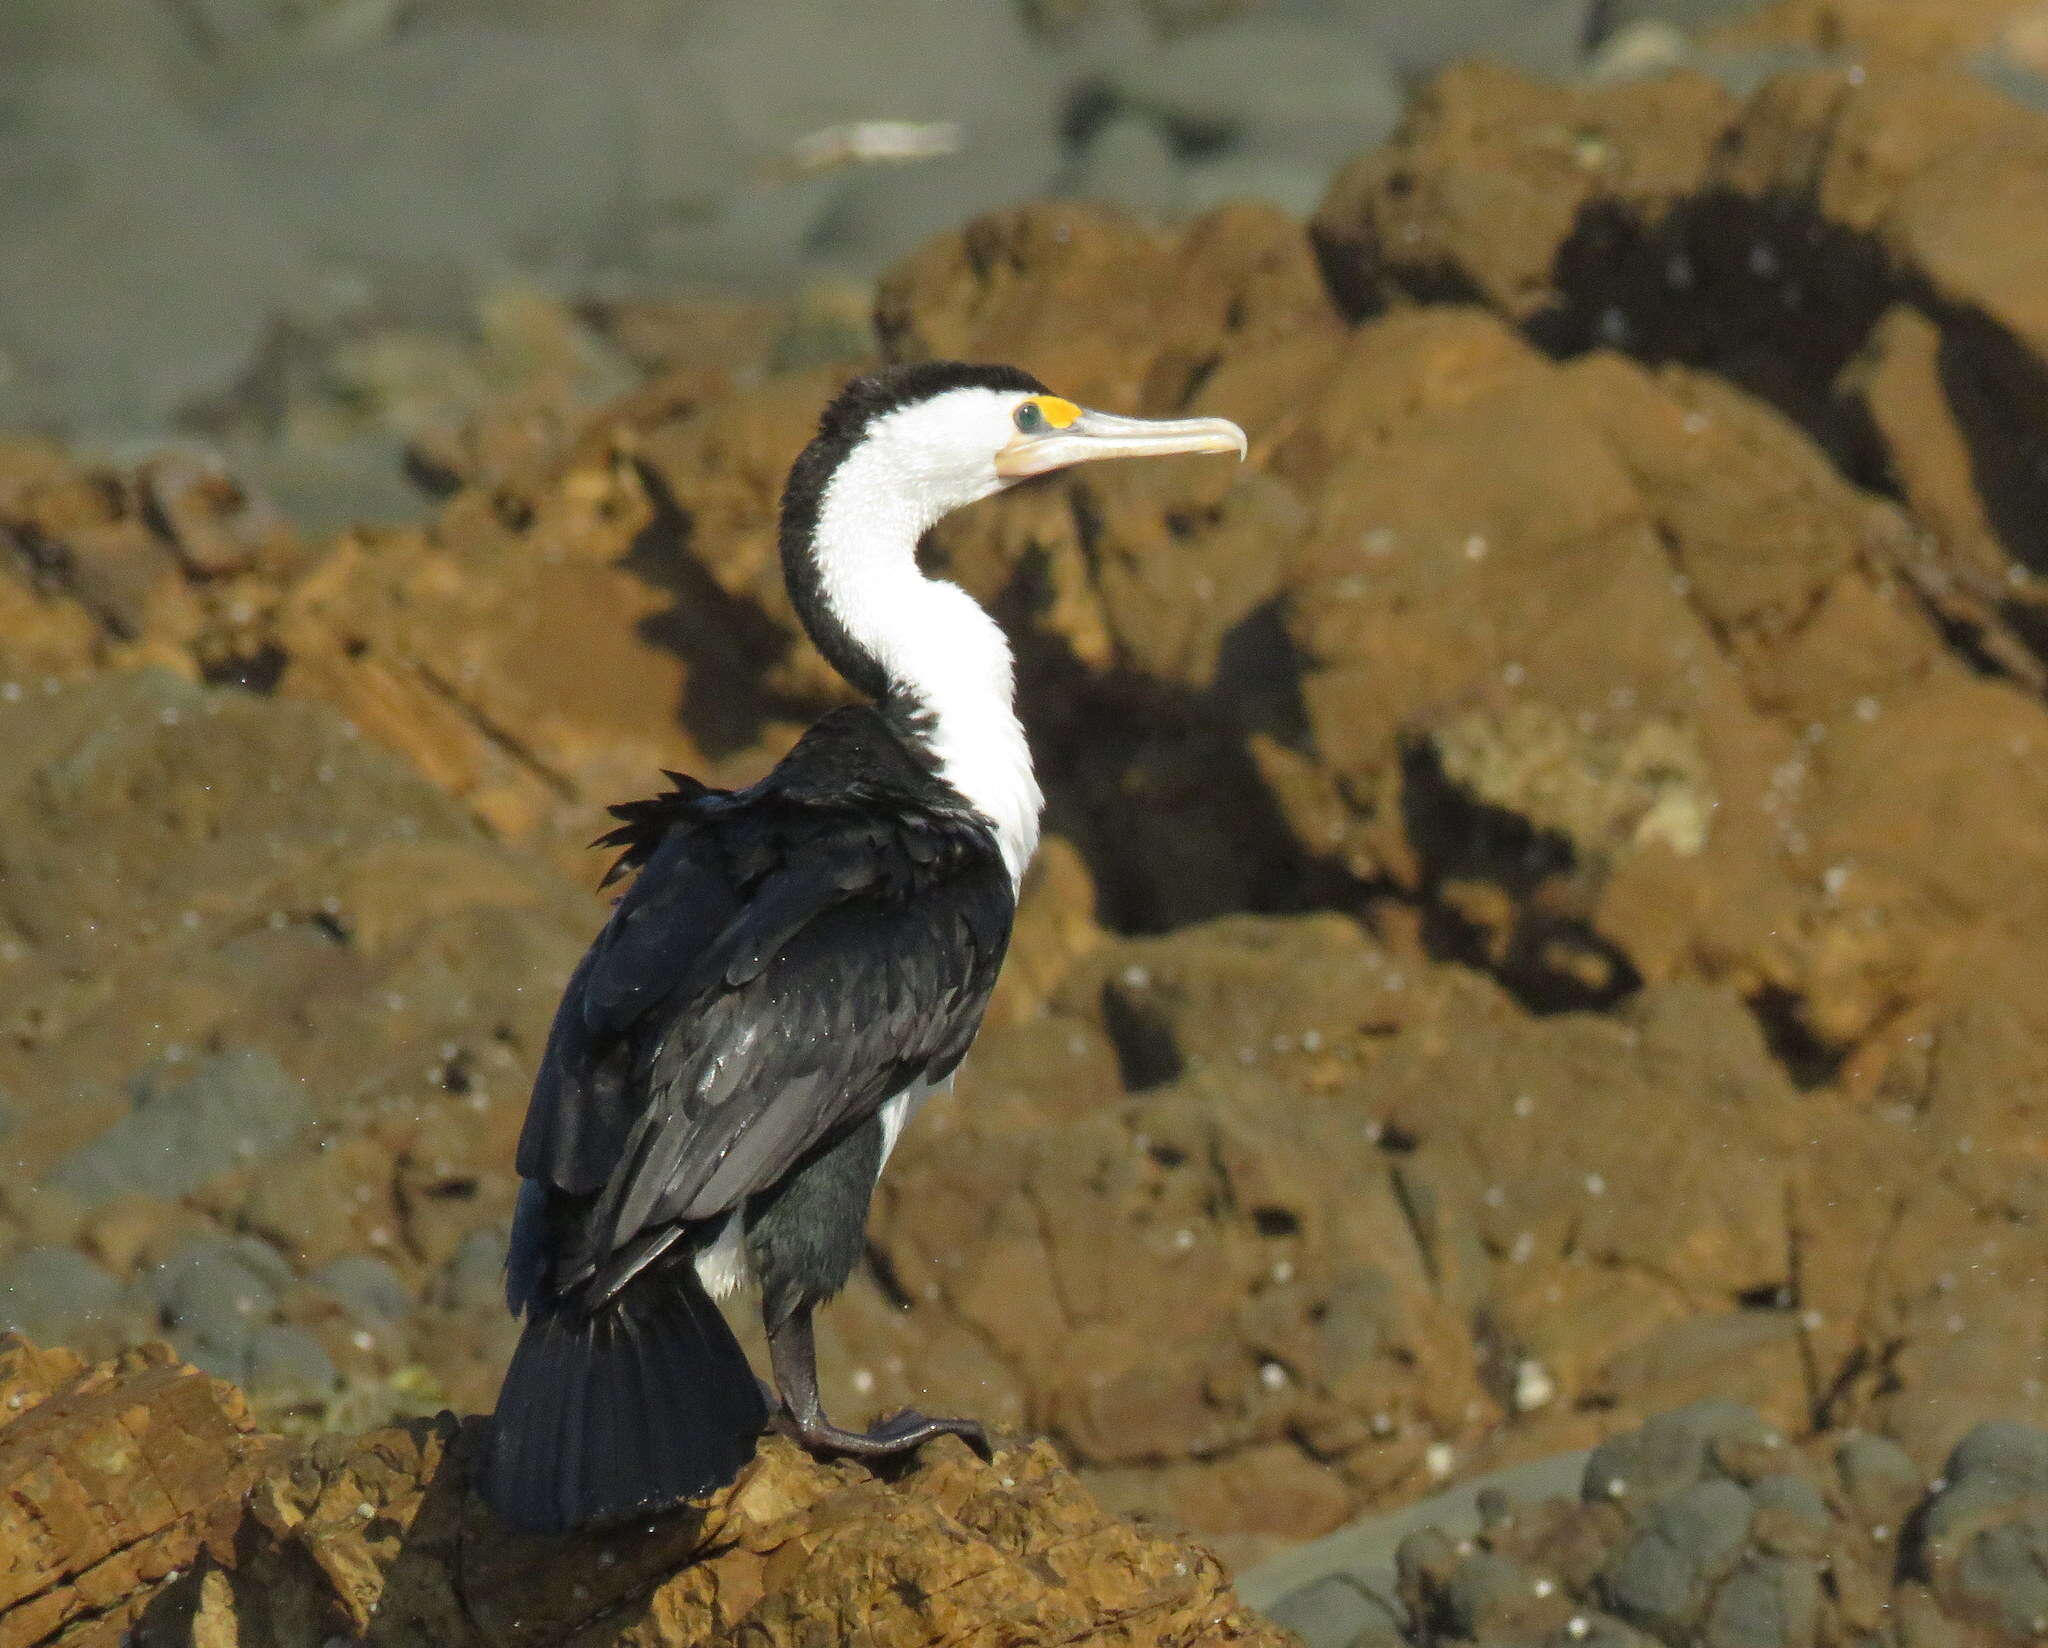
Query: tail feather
[[646, 1401]]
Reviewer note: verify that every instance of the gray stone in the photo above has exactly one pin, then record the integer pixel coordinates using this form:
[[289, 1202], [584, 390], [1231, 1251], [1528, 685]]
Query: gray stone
[[212, 1298], [2023, 85], [1669, 1452], [49, 1293], [1878, 1478], [139, 37], [969, 62], [1708, 1521], [474, 1278], [1793, 1496], [2004, 1571], [2001, 1453], [1539, 36], [1130, 162], [118, 332], [1484, 1594], [368, 1288], [1660, 1579], [1315, 93], [1610, 16], [1639, 50], [1743, 72], [1338, 1612], [189, 1123], [477, 149], [1290, 185], [287, 1361], [333, 484], [1547, 38], [1985, 1531], [1768, 1602], [1654, 1584], [1605, 1631], [1370, 1552], [1645, 48], [259, 33]]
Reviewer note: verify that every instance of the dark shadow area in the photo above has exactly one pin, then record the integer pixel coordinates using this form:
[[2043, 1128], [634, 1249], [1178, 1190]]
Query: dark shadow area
[[258, 671], [1768, 295], [719, 637], [1543, 952], [1992, 385], [1154, 784], [1806, 1060], [1145, 1052], [1778, 301]]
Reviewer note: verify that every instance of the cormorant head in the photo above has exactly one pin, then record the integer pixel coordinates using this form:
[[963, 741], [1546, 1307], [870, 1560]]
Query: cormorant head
[[946, 433]]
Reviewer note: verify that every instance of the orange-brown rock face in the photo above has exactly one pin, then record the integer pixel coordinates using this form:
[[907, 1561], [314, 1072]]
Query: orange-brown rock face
[[142, 1507], [114, 1480]]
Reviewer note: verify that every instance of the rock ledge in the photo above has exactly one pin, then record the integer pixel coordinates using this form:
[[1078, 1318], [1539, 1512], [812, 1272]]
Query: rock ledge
[[140, 1505]]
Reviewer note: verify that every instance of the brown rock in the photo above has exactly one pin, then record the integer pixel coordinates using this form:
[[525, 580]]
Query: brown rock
[[1163, 308], [115, 1480], [142, 1506], [1493, 173]]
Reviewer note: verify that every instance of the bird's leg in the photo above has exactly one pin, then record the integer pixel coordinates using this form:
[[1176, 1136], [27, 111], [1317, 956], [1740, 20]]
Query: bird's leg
[[794, 1356]]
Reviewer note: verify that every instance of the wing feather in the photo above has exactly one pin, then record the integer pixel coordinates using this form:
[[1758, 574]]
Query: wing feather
[[770, 979]]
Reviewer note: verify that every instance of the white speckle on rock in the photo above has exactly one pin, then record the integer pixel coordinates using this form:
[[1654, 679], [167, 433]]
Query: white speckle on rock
[[1534, 1388]]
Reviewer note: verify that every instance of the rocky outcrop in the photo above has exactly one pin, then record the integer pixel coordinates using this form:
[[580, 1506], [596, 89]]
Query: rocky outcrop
[[1543, 920], [142, 1507]]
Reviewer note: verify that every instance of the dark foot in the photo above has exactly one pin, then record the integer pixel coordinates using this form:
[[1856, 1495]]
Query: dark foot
[[801, 1416], [899, 1433]]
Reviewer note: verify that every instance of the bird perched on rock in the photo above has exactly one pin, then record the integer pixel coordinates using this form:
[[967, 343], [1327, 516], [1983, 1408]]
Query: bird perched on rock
[[794, 968]]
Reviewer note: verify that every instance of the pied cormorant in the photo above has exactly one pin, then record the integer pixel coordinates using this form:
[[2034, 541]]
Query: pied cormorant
[[795, 966]]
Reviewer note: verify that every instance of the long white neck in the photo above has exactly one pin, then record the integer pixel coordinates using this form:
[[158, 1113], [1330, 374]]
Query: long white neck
[[931, 639]]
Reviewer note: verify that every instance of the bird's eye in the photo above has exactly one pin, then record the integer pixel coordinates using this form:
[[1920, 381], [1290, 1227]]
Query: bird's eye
[[1030, 418]]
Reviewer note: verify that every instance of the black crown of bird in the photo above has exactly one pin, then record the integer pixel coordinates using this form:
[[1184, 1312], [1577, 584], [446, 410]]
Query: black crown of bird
[[794, 968]]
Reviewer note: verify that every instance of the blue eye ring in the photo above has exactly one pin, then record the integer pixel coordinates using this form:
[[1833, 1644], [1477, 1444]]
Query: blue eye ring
[[1030, 419]]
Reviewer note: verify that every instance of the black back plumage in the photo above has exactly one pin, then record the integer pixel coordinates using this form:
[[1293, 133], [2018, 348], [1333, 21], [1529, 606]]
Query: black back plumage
[[789, 958]]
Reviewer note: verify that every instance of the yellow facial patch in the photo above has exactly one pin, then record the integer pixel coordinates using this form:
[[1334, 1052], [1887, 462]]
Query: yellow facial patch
[[1060, 414]]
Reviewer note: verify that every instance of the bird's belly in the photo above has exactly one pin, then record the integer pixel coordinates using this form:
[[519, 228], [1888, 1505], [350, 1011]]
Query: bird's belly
[[722, 1266]]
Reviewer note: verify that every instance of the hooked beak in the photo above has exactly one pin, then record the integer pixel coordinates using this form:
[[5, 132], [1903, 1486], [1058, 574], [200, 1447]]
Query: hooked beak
[[1104, 435]]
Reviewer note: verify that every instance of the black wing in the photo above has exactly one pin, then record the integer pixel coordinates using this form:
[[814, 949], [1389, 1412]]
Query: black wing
[[777, 972]]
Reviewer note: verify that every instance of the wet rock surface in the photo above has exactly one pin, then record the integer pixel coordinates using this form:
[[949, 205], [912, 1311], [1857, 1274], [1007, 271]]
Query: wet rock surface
[[1708, 1525], [1542, 923]]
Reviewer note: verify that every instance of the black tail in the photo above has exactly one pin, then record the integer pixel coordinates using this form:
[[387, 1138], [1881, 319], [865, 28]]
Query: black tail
[[645, 1402]]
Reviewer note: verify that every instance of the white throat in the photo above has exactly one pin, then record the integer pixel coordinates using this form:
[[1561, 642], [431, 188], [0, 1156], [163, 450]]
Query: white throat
[[931, 638]]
